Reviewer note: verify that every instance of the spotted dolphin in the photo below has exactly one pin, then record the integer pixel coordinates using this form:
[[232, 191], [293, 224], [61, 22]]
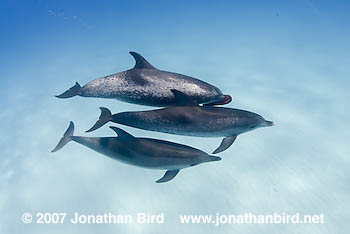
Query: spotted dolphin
[[142, 152], [189, 119], [146, 85]]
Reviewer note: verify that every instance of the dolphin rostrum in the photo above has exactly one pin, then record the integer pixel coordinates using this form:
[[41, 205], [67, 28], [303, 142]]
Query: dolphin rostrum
[[189, 119], [142, 152], [146, 85]]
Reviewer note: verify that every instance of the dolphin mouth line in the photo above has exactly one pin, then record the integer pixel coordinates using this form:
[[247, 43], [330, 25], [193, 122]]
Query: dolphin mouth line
[[271, 123], [227, 99], [268, 123]]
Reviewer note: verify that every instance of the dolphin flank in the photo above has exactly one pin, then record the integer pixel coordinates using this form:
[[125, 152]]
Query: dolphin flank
[[142, 152], [146, 85]]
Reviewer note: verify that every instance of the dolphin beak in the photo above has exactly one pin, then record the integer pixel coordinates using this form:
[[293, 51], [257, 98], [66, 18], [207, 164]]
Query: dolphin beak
[[267, 123], [225, 100]]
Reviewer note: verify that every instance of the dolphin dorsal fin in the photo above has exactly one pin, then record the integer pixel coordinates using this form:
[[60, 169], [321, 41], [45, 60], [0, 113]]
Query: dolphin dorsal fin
[[182, 99], [141, 62], [121, 133]]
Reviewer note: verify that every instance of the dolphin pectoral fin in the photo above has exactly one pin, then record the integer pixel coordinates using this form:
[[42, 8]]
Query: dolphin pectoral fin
[[70, 92], [226, 143], [66, 138], [182, 99], [121, 133], [169, 175], [141, 62], [104, 118]]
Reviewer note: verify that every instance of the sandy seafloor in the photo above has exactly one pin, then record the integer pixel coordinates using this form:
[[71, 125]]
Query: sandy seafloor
[[288, 61]]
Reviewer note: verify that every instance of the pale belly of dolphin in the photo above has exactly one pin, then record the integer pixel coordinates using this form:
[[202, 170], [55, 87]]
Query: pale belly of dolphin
[[145, 153], [178, 126]]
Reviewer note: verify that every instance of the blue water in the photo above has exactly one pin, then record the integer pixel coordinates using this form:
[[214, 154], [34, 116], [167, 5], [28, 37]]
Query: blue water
[[288, 61]]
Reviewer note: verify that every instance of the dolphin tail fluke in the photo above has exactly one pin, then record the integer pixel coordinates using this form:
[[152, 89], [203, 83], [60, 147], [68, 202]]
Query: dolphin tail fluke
[[225, 144], [169, 175], [70, 92], [66, 137], [104, 118]]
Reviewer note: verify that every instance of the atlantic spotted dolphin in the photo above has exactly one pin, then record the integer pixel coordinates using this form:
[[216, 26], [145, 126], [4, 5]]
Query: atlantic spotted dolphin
[[142, 152], [189, 119], [146, 85]]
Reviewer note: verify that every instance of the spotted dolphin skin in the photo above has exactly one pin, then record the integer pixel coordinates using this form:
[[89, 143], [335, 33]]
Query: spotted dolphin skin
[[146, 85], [142, 152], [189, 119]]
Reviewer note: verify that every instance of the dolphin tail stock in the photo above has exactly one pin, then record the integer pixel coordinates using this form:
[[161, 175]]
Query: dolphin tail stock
[[66, 137], [105, 117], [70, 92], [225, 144]]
